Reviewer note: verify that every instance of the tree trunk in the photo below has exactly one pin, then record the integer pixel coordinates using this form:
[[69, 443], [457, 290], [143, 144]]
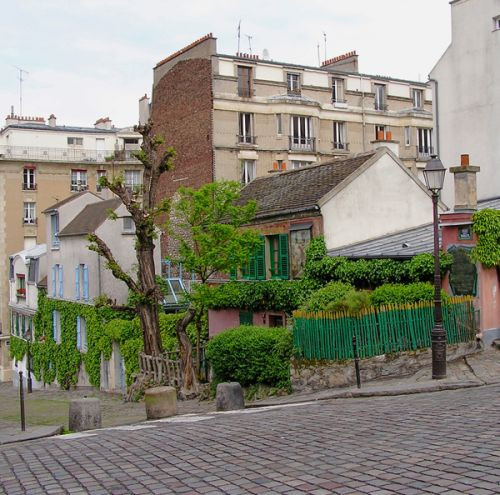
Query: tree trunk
[[148, 316], [198, 340], [190, 384]]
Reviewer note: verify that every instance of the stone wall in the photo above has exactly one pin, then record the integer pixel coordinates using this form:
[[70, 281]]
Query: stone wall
[[307, 376]]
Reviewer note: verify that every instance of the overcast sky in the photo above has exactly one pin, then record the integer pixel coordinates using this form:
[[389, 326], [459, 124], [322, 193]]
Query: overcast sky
[[93, 58]]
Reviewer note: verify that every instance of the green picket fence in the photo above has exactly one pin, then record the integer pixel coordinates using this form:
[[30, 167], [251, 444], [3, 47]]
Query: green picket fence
[[395, 328]]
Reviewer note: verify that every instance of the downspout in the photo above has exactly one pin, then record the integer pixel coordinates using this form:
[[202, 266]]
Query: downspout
[[435, 106]]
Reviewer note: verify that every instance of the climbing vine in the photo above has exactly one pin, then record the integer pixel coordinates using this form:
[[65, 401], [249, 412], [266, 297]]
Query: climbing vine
[[486, 225]]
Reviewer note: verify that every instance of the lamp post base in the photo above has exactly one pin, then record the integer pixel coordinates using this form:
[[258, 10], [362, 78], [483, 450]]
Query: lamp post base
[[438, 340]]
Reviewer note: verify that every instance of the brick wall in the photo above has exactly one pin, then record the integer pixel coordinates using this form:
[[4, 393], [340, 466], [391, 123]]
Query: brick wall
[[182, 113]]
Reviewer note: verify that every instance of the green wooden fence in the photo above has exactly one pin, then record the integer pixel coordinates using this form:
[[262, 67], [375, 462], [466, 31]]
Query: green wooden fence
[[395, 328]]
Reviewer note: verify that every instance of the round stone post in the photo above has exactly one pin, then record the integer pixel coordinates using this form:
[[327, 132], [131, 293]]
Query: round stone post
[[161, 402], [229, 396], [84, 414]]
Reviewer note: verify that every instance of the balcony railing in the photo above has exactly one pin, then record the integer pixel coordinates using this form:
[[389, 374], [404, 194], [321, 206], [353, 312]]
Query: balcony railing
[[246, 139], [302, 143], [79, 187], [30, 221], [340, 146], [380, 106], [64, 154], [424, 152], [29, 187]]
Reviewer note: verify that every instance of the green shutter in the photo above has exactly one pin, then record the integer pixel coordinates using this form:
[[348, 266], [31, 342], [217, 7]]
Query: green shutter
[[260, 260], [252, 268], [246, 318], [283, 256]]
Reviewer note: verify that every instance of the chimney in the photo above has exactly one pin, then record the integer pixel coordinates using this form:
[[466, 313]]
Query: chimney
[[348, 62], [144, 109], [465, 185], [103, 123], [52, 120], [384, 140]]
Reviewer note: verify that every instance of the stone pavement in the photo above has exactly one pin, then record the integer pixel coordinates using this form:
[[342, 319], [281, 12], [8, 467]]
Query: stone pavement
[[446, 442]]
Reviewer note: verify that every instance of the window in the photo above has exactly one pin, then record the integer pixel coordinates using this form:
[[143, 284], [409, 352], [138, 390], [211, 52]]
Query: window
[[81, 334], [75, 141], [338, 90], [56, 326], [57, 281], [244, 81], [133, 179], [300, 164], [79, 180], [11, 268], [278, 256], [379, 90], [301, 133], [407, 135], [300, 236], [418, 98], [276, 321], [280, 165], [293, 83], [33, 270], [29, 179], [245, 128], [339, 136], [496, 22], [29, 213], [246, 318], [128, 225], [54, 230], [248, 171], [255, 269], [379, 132], [100, 173], [424, 146], [279, 124], [20, 286], [82, 282]]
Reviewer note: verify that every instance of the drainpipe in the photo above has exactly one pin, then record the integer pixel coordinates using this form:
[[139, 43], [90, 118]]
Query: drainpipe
[[435, 106]]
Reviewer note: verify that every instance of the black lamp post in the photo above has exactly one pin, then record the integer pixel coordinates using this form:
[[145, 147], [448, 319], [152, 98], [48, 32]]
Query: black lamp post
[[28, 337], [434, 178]]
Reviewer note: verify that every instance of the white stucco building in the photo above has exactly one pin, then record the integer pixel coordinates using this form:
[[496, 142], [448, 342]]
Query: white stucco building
[[466, 82]]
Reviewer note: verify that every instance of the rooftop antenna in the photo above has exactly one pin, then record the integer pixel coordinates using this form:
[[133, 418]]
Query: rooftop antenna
[[249, 43], [21, 71], [324, 36], [319, 59], [239, 36]]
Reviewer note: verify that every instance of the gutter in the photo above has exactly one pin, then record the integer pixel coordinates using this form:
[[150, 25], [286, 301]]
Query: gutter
[[435, 105], [287, 212]]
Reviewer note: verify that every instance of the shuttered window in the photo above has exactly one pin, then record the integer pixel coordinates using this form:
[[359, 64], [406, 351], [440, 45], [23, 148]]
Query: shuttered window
[[256, 266], [278, 256]]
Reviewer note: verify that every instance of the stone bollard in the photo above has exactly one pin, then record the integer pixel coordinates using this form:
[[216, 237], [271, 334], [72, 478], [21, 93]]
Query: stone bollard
[[229, 397], [84, 414], [161, 402]]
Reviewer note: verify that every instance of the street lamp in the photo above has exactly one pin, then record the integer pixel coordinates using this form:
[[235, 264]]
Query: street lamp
[[28, 336], [434, 178]]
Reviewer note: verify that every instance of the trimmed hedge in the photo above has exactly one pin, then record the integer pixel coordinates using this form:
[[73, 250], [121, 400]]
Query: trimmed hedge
[[252, 355], [324, 297], [401, 293]]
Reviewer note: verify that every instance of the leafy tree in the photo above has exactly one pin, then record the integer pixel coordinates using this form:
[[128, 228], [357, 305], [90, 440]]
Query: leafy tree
[[141, 203], [207, 225]]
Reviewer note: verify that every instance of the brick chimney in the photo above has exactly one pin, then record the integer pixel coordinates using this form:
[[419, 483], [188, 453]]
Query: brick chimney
[[103, 123], [465, 185], [347, 62]]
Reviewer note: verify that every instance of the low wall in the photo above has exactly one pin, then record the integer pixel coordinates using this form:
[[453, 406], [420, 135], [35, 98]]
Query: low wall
[[307, 376]]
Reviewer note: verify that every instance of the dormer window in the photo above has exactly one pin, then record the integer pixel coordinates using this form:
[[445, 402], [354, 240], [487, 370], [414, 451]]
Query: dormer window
[[54, 230], [293, 83], [418, 98], [496, 23]]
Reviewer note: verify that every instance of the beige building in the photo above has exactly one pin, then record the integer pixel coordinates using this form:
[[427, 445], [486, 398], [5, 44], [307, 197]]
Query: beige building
[[34, 177], [246, 116]]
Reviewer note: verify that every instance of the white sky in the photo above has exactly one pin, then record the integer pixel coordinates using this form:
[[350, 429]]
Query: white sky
[[93, 58]]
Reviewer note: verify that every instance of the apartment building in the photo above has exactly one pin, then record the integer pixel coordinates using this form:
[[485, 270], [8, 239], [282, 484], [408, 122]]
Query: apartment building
[[240, 117], [466, 83], [43, 163]]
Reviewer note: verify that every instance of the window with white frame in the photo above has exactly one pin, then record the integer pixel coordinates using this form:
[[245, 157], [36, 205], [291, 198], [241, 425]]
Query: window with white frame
[[56, 326], [128, 225], [29, 182], [407, 135], [29, 217], [248, 171], [418, 98], [245, 128], [301, 133], [75, 141], [81, 334], [54, 230], [300, 164], [380, 97], [33, 270], [133, 178], [424, 143], [339, 138], [100, 173], [279, 124], [338, 90], [82, 282], [293, 83], [79, 180], [57, 281]]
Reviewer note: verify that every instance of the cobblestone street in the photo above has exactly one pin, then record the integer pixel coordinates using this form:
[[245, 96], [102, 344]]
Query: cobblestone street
[[444, 442]]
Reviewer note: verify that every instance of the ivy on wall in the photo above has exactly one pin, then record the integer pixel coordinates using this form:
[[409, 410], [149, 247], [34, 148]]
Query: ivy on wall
[[486, 225]]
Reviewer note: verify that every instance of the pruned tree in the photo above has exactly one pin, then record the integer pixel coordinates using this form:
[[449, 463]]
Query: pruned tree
[[207, 225], [145, 209]]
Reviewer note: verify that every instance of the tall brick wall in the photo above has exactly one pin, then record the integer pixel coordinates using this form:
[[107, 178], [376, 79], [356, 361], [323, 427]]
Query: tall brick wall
[[182, 113]]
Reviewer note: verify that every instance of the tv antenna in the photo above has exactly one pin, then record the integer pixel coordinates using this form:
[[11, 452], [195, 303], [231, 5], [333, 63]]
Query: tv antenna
[[239, 36], [319, 59], [324, 36], [21, 72], [249, 43]]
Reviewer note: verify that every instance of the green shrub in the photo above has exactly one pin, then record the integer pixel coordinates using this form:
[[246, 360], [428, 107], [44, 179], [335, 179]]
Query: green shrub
[[252, 355], [400, 293], [326, 296], [353, 302]]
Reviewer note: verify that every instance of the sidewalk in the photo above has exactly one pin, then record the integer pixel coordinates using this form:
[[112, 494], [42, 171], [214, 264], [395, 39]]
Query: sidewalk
[[47, 410]]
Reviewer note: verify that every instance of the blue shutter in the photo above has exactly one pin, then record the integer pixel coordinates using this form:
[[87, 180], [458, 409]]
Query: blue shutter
[[77, 282], [54, 325], [54, 288], [61, 293], [85, 282], [78, 333]]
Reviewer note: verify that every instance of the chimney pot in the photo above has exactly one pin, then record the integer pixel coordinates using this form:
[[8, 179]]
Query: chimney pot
[[464, 161]]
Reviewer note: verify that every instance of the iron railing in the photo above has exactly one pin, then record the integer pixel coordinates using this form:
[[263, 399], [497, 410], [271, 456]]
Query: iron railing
[[424, 152], [340, 146], [302, 143], [246, 139]]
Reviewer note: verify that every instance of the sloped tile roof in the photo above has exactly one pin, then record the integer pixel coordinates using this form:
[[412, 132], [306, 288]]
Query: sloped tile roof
[[69, 198], [301, 189], [90, 218]]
